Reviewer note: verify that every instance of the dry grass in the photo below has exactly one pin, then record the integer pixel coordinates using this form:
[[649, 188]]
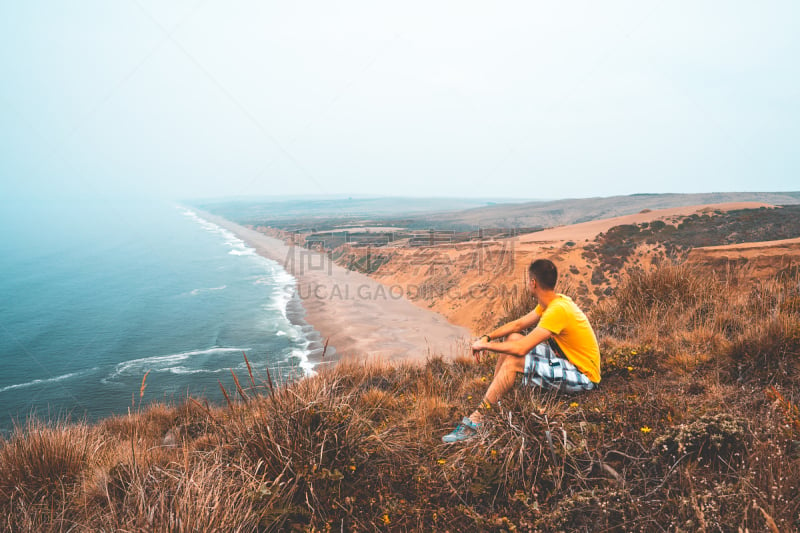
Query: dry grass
[[695, 428]]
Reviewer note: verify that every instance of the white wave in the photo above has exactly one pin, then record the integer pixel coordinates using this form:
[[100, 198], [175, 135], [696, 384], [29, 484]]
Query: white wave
[[40, 381], [282, 287], [305, 364], [280, 275], [274, 306], [184, 370], [210, 226], [163, 363], [290, 331], [195, 292], [239, 246], [279, 299]]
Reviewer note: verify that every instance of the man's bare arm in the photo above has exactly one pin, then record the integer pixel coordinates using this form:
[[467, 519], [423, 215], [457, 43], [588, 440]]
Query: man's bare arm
[[519, 347], [515, 326]]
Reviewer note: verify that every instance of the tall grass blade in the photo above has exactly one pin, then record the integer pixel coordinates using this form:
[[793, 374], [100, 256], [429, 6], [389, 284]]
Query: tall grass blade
[[239, 387], [249, 371], [225, 393]]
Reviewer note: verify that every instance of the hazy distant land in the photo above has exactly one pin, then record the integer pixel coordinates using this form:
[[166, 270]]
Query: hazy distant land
[[464, 214]]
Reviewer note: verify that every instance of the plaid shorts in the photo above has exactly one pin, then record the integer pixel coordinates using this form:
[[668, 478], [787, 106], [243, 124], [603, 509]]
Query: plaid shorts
[[546, 367]]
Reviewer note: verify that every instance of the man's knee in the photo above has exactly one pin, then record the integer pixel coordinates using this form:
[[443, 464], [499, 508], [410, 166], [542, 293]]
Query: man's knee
[[512, 363]]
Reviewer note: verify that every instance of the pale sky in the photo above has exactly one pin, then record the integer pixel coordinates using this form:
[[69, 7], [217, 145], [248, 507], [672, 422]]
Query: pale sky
[[480, 99]]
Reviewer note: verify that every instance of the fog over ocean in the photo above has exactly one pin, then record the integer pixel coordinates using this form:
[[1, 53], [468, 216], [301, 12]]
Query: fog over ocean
[[94, 295]]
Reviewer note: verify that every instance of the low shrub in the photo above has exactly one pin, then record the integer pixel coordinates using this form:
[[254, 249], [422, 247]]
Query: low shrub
[[768, 351]]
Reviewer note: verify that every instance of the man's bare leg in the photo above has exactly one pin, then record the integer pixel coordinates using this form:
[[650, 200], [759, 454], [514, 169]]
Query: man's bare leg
[[505, 374]]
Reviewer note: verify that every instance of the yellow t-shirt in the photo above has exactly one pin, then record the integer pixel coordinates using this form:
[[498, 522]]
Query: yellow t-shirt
[[573, 333]]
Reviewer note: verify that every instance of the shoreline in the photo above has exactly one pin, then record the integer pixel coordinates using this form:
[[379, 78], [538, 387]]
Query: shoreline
[[359, 317], [293, 310]]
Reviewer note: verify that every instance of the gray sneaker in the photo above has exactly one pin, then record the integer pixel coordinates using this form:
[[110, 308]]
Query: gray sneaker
[[466, 430]]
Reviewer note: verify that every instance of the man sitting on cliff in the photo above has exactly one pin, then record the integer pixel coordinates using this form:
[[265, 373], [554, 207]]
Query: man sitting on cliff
[[560, 353]]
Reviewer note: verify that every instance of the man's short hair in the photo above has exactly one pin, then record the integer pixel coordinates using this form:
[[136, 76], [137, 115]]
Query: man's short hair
[[544, 272]]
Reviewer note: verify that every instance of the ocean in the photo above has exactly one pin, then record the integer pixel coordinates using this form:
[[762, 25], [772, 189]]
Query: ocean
[[96, 295]]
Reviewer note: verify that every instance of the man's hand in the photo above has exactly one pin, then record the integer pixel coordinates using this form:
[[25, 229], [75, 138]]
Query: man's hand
[[478, 347]]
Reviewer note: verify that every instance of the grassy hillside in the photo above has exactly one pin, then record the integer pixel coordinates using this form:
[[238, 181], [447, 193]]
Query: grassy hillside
[[695, 427], [610, 253], [731, 227]]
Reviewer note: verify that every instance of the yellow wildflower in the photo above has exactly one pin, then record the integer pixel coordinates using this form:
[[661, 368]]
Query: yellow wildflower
[[385, 519], [469, 397], [630, 369], [634, 352], [494, 453], [352, 468], [441, 461], [483, 379], [574, 404], [646, 429]]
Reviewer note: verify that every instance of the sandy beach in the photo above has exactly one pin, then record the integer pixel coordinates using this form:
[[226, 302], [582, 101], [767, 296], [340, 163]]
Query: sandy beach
[[360, 317]]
